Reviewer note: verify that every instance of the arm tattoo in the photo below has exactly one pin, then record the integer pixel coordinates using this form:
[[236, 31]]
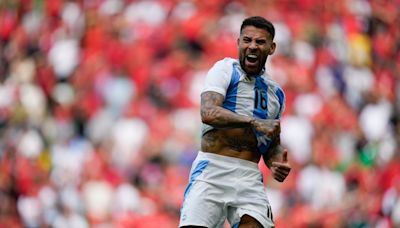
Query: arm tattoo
[[214, 114], [208, 100]]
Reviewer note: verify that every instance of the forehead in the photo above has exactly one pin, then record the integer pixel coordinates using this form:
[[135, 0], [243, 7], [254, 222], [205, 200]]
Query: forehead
[[254, 32]]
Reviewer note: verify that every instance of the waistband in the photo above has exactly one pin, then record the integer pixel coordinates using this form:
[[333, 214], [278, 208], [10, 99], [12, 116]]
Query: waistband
[[227, 159]]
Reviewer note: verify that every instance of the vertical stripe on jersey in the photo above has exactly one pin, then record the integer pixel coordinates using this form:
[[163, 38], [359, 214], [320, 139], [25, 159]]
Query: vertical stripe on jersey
[[261, 99], [262, 89], [280, 95], [231, 93]]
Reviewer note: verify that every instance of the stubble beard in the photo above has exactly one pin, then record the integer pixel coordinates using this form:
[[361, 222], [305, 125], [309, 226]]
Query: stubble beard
[[252, 71]]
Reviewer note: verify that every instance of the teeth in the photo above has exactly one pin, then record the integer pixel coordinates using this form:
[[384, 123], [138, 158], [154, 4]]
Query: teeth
[[252, 56]]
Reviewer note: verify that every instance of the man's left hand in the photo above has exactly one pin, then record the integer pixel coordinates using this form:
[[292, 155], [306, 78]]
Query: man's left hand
[[281, 169]]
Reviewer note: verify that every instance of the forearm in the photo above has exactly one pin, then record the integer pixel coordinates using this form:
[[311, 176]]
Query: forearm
[[220, 117], [277, 161], [274, 153], [212, 113]]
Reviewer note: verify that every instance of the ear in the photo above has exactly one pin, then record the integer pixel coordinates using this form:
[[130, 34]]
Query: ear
[[272, 49], [237, 41]]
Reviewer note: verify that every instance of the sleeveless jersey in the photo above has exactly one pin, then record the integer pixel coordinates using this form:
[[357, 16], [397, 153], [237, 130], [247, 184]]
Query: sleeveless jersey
[[257, 96]]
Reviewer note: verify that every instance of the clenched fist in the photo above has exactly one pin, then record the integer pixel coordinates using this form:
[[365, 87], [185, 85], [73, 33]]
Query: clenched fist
[[270, 128]]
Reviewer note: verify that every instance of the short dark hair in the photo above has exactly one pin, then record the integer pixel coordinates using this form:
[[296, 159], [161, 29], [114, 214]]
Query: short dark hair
[[259, 22]]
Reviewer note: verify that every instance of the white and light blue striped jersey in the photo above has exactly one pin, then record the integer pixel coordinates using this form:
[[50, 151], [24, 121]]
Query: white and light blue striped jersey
[[260, 96]]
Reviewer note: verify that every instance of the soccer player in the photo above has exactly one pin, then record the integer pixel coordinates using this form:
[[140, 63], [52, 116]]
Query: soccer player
[[240, 110]]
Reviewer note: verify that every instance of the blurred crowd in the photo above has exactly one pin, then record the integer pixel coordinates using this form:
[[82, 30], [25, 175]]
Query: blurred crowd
[[99, 108]]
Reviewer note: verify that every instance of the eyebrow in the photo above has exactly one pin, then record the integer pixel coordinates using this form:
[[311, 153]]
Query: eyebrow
[[250, 37]]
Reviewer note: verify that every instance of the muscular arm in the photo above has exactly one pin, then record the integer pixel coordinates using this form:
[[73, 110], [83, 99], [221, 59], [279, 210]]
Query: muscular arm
[[212, 113]]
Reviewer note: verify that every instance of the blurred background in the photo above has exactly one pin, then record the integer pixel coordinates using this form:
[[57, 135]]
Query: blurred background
[[99, 108]]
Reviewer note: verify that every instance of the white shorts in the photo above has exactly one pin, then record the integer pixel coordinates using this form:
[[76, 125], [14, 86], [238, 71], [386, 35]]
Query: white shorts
[[222, 187]]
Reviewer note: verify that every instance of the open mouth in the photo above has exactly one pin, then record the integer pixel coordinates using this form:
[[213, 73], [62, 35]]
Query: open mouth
[[251, 59]]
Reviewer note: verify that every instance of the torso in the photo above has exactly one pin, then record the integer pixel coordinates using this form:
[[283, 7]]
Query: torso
[[237, 142], [252, 96]]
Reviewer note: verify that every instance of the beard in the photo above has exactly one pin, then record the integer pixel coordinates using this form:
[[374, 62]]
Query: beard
[[252, 69]]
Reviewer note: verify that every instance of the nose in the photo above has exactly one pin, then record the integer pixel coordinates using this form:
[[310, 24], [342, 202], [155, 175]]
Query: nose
[[253, 45]]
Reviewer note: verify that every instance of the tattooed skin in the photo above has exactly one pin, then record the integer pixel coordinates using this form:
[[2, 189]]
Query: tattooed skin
[[246, 141], [240, 144], [243, 141], [232, 134], [212, 113], [210, 139], [275, 151], [206, 100]]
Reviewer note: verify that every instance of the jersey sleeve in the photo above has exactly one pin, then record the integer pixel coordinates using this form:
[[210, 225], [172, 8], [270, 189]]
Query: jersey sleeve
[[218, 78]]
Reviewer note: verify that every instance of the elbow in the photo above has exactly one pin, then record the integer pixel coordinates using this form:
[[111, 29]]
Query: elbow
[[206, 119], [208, 115]]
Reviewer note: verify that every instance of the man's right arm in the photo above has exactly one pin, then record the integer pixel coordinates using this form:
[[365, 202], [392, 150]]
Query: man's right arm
[[212, 113]]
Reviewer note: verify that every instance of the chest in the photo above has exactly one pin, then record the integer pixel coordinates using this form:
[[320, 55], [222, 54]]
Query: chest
[[253, 98]]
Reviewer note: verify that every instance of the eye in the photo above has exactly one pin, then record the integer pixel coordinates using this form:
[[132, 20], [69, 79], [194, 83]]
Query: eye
[[261, 42], [246, 40]]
